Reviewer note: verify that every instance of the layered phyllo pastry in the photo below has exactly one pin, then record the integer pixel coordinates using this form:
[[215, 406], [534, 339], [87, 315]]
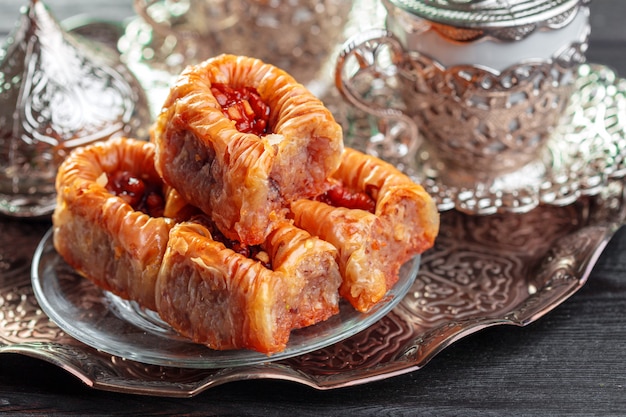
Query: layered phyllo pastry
[[217, 296], [240, 139], [110, 225], [376, 217], [108, 222]]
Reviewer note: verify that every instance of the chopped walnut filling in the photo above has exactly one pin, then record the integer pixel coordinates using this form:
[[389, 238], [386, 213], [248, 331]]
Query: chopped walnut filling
[[337, 195], [244, 106], [139, 193], [254, 252]]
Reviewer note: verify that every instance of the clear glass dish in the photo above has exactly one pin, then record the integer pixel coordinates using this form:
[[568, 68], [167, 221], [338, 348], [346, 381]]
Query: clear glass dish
[[122, 328]]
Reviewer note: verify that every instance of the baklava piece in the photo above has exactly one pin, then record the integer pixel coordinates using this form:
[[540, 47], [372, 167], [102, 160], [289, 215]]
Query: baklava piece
[[228, 297], [241, 139], [376, 217], [107, 221]]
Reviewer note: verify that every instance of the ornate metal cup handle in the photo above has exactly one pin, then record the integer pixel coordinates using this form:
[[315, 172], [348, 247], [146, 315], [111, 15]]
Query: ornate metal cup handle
[[370, 49]]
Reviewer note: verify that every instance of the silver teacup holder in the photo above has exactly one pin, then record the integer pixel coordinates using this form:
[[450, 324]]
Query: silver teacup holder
[[487, 102]]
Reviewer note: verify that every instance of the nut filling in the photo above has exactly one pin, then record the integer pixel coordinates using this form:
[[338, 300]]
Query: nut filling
[[244, 106], [339, 195], [140, 194]]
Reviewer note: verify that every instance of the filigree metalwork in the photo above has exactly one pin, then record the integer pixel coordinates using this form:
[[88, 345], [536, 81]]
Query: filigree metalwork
[[475, 121], [478, 121], [57, 92], [581, 154]]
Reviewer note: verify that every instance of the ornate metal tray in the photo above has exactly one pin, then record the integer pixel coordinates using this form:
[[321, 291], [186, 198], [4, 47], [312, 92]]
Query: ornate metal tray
[[484, 271], [503, 269]]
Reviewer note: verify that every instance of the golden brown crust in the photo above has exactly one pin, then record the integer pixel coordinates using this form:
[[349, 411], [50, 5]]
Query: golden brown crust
[[372, 247], [309, 265], [98, 233], [399, 201], [216, 297], [241, 179], [172, 265], [257, 190]]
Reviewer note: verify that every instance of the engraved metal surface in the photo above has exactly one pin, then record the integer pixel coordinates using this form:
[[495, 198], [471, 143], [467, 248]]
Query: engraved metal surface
[[483, 271], [582, 153], [508, 268], [57, 92]]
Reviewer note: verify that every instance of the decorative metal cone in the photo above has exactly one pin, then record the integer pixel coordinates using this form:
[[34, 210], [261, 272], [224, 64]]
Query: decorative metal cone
[[57, 91]]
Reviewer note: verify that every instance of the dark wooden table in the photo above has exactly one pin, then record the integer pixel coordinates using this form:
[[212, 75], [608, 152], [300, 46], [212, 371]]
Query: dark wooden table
[[571, 362]]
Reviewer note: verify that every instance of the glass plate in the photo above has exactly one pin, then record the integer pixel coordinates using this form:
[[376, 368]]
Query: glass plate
[[122, 328]]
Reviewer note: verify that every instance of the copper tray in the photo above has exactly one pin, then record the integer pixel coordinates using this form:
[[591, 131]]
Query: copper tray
[[503, 269], [484, 271]]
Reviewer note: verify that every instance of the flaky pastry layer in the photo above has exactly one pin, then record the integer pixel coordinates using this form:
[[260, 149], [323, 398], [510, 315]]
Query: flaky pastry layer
[[205, 290], [244, 180], [372, 246], [98, 233]]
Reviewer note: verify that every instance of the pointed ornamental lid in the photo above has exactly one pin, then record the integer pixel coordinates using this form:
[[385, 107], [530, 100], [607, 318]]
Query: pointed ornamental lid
[[63, 90]]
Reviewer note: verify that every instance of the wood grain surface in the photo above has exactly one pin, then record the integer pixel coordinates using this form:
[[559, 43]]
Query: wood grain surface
[[571, 362]]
